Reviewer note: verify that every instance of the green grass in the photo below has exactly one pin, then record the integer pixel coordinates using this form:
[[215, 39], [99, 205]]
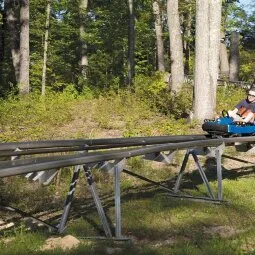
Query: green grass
[[156, 223]]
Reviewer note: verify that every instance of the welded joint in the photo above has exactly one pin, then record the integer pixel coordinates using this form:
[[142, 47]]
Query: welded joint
[[209, 151], [85, 150], [109, 166], [88, 174]]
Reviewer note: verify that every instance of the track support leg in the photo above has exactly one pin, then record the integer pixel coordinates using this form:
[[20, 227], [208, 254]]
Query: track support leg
[[184, 164], [100, 210], [69, 198]]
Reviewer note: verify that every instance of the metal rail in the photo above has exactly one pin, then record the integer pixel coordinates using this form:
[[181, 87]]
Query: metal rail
[[95, 142], [22, 166]]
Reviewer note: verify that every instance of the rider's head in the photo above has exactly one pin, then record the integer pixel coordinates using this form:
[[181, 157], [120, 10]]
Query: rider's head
[[251, 95]]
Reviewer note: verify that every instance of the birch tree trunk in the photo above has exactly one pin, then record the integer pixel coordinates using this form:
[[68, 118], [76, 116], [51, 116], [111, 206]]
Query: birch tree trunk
[[12, 24], [45, 47], [208, 20], [176, 48], [202, 89], [159, 38], [186, 43], [24, 47], [84, 52], [214, 44], [224, 64], [131, 43], [234, 57]]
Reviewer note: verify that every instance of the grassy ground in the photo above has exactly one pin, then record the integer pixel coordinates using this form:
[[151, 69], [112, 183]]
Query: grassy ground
[[155, 223]]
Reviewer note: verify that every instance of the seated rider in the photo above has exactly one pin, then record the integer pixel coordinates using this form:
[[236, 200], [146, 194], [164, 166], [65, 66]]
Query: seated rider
[[245, 110]]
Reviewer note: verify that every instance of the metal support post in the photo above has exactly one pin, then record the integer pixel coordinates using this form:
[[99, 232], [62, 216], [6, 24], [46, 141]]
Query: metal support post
[[184, 163], [219, 175], [203, 176], [117, 171], [97, 201], [69, 198], [218, 154]]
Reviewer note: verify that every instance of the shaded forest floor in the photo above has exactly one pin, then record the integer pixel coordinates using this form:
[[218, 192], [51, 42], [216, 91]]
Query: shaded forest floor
[[154, 222]]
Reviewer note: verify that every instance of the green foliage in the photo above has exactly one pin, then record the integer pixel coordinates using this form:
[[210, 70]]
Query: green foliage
[[155, 91], [229, 97], [115, 110], [106, 36], [24, 243], [247, 65], [150, 110], [145, 39], [237, 18], [32, 116]]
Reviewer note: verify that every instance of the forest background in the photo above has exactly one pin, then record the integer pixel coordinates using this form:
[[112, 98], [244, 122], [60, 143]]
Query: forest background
[[100, 46]]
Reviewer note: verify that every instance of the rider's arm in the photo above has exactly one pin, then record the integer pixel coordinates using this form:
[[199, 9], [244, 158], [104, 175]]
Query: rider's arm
[[249, 117], [233, 113]]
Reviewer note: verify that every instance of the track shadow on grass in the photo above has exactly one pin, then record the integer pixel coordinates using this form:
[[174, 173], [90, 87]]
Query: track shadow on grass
[[193, 179]]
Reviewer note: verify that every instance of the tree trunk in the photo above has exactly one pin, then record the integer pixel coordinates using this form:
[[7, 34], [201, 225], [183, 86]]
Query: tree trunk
[[2, 44], [45, 47], [208, 20], [186, 44], [214, 44], [12, 24], [234, 57], [224, 64], [202, 90], [84, 57], [131, 43], [24, 47], [159, 38], [2, 36], [176, 48]]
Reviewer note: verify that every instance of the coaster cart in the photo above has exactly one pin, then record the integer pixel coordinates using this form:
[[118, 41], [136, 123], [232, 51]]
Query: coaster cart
[[227, 127]]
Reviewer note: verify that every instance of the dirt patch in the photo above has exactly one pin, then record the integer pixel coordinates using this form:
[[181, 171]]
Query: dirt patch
[[4, 225], [222, 231], [113, 250], [171, 241], [8, 240], [65, 243]]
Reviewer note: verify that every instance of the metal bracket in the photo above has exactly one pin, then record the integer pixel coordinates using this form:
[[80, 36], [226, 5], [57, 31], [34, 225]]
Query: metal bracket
[[15, 157], [109, 166], [160, 157]]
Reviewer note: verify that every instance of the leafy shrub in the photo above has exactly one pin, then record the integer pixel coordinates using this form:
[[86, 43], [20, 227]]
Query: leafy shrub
[[228, 97], [33, 116], [154, 90], [246, 65]]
